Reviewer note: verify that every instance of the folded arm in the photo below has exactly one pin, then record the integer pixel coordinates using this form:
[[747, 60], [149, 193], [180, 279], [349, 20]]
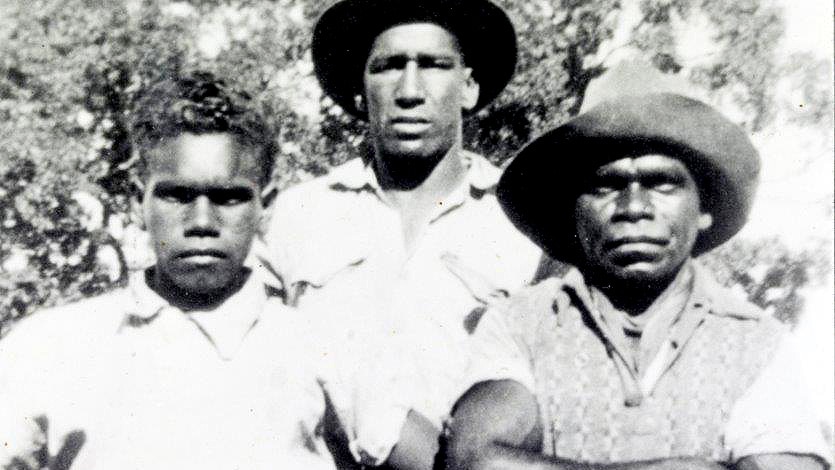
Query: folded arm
[[496, 426]]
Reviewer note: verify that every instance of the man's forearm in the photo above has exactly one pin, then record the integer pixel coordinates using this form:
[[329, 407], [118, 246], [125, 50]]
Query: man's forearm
[[418, 445], [500, 457]]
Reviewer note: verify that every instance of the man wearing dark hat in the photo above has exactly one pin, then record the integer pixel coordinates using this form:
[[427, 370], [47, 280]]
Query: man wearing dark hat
[[409, 240], [636, 358]]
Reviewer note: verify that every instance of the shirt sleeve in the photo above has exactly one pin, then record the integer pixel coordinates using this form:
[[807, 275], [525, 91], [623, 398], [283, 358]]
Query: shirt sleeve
[[501, 346], [369, 391], [774, 415]]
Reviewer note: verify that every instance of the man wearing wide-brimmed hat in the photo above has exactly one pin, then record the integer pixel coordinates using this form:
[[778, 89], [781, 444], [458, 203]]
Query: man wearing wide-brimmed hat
[[407, 241], [636, 358]]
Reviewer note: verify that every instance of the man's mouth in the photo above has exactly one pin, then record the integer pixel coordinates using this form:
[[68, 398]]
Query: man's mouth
[[409, 126], [636, 242], [630, 250]]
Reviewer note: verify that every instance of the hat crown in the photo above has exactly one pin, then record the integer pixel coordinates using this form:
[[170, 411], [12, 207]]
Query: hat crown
[[717, 152], [344, 34]]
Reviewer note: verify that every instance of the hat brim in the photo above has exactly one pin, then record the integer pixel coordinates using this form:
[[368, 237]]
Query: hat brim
[[344, 34], [539, 189]]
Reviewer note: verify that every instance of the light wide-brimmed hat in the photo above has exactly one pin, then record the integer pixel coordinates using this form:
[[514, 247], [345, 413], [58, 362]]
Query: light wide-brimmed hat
[[344, 34], [539, 189]]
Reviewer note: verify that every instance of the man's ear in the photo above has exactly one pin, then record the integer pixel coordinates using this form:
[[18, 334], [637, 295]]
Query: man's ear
[[470, 92], [359, 103], [268, 194], [705, 221]]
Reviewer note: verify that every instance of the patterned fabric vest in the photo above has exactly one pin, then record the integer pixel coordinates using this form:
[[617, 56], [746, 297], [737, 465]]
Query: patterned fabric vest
[[582, 399]]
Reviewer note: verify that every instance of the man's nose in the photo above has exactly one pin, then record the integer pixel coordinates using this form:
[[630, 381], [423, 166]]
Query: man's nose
[[202, 218], [410, 89], [634, 203]]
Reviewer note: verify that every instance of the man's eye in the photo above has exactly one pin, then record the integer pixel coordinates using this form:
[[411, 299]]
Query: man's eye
[[666, 187], [230, 197], [436, 63], [178, 195], [602, 190], [385, 65], [664, 184], [603, 186]]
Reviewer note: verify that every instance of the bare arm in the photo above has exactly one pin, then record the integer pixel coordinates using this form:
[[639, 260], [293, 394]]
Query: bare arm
[[496, 426], [417, 447], [780, 462]]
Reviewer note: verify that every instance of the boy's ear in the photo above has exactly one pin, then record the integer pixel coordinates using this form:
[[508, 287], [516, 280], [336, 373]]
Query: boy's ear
[[268, 194], [137, 189]]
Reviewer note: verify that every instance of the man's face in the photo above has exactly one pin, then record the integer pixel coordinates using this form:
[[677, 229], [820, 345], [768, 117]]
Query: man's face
[[638, 219], [416, 87], [202, 207]]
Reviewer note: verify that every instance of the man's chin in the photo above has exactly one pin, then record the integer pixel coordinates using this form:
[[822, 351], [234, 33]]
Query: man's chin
[[641, 273], [410, 149]]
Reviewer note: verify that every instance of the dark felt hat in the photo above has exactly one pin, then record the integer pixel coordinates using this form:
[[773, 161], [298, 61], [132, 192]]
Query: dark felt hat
[[344, 34], [540, 187]]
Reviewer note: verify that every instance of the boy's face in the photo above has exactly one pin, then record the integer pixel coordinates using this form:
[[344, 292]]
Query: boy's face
[[202, 207]]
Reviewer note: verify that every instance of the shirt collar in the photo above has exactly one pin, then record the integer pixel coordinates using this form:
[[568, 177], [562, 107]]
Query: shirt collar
[[358, 175], [225, 326], [706, 297], [707, 293]]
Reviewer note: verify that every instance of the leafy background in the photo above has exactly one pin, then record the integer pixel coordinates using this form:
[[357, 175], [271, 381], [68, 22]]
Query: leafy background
[[70, 69]]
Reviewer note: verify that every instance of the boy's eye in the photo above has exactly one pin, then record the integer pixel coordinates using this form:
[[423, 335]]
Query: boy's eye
[[217, 196], [230, 196], [176, 194]]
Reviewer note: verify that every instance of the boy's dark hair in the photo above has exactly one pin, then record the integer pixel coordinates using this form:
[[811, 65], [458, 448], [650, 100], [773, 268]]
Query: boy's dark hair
[[200, 103]]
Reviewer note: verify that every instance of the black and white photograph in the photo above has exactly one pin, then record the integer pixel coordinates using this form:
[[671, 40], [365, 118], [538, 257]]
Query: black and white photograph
[[417, 234]]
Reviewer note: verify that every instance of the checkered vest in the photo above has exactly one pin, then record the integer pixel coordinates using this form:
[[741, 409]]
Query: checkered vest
[[582, 399]]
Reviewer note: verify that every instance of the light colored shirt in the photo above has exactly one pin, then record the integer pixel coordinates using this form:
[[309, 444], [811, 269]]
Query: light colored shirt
[[770, 416], [338, 247], [127, 381]]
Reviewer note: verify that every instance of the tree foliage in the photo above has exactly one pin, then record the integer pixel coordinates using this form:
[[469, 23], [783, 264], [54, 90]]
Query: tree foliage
[[70, 70]]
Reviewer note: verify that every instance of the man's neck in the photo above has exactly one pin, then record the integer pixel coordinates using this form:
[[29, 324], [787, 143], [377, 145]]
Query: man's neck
[[637, 298], [416, 204], [191, 301]]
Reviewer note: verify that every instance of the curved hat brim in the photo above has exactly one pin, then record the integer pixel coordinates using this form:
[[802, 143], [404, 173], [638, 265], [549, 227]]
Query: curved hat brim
[[539, 189], [344, 34]]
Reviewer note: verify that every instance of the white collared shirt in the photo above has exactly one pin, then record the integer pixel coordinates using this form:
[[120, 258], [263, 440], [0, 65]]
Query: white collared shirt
[[339, 249], [125, 380]]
